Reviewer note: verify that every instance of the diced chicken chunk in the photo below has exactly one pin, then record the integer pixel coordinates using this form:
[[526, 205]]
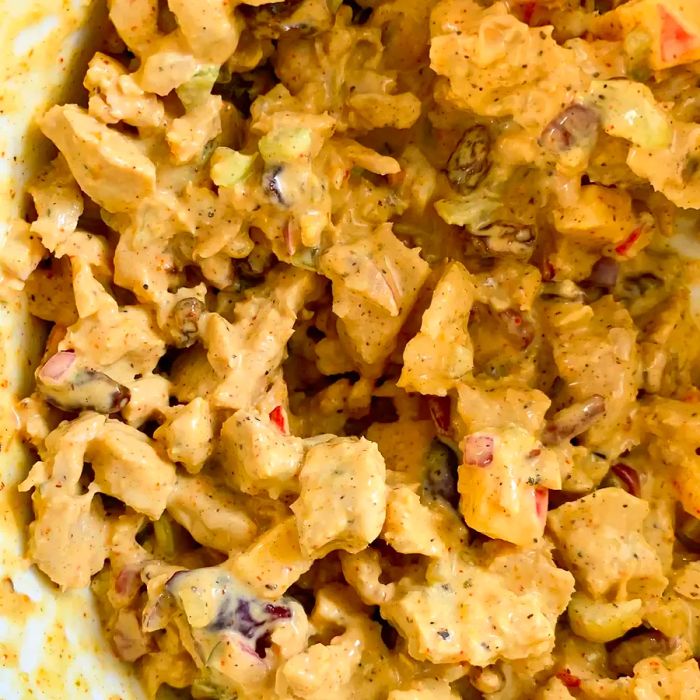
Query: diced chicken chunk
[[600, 537], [188, 434], [135, 20], [603, 622], [362, 571], [127, 466], [149, 398], [50, 293], [166, 65], [65, 449], [495, 65], [379, 110], [92, 149], [504, 607], [123, 342], [192, 376], [258, 457], [429, 689], [480, 408], [665, 168], [675, 426], [376, 281], [652, 679], [342, 503], [320, 670], [20, 254], [273, 562], [209, 27], [412, 527], [441, 354], [245, 353], [68, 538], [601, 215], [595, 352], [58, 203], [188, 135], [115, 96], [210, 513]]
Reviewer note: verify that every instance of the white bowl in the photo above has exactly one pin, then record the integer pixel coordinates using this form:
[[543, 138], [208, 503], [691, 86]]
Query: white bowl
[[51, 644]]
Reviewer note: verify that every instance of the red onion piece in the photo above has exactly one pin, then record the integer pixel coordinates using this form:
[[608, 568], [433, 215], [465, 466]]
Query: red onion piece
[[57, 365], [440, 411], [629, 478], [627, 244], [541, 502], [250, 651], [278, 418], [128, 582], [568, 679], [529, 10], [478, 450]]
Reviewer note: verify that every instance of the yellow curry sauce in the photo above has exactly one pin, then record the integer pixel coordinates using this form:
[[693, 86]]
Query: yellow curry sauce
[[372, 367]]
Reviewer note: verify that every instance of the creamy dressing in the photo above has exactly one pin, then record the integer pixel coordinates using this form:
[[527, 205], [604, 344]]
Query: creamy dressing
[[372, 372]]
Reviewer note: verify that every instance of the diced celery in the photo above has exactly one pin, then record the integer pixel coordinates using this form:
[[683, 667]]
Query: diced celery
[[306, 258], [637, 48], [211, 685], [166, 692], [165, 539], [286, 144], [195, 90], [474, 211], [229, 167], [628, 110]]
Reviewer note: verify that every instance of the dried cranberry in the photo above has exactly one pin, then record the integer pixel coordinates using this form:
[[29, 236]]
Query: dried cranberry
[[629, 478], [278, 612]]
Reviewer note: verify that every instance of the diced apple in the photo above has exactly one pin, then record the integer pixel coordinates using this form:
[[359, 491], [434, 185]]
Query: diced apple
[[672, 25]]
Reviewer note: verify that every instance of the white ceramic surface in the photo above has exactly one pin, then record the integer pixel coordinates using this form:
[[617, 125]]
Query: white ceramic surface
[[51, 645]]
